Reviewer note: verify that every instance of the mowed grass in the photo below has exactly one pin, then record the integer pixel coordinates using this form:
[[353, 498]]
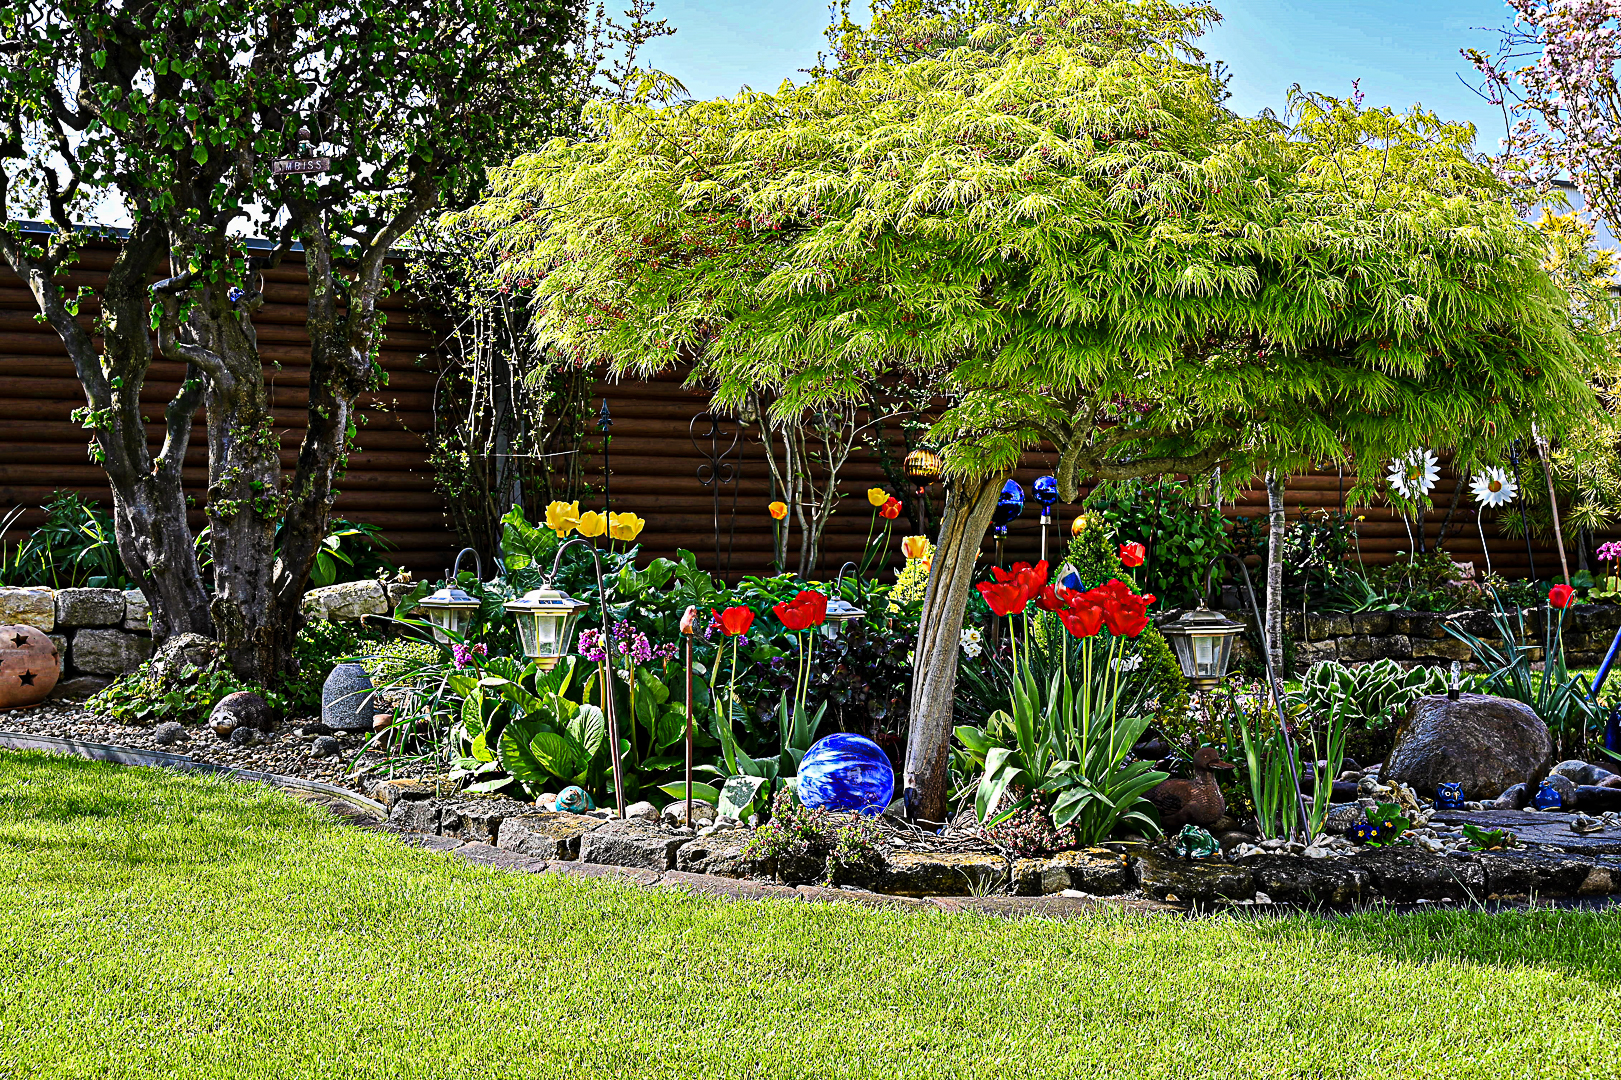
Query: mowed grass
[[159, 925]]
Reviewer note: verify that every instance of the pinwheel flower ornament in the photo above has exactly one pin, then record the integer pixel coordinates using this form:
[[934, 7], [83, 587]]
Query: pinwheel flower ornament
[[1494, 487], [1414, 473]]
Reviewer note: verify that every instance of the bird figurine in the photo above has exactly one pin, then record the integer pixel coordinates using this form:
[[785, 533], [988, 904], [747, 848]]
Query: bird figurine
[[1193, 802]]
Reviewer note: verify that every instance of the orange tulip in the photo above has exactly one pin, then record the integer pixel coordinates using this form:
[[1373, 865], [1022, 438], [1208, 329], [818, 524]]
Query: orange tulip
[[915, 547], [779, 510]]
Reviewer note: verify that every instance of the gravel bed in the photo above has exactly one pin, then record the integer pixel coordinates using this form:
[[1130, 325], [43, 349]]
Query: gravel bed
[[285, 751]]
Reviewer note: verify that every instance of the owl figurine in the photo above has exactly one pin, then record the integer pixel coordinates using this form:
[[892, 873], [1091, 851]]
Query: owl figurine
[[1449, 796]]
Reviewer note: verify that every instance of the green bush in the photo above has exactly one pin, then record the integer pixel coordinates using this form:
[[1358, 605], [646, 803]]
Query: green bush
[[74, 548], [1181, 537]]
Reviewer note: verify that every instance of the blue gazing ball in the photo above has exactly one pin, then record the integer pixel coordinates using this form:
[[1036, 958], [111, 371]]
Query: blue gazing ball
[[1449, 796], [1046, 489], [1010, 505], [1548, 798], [846, 772], [574, 800]]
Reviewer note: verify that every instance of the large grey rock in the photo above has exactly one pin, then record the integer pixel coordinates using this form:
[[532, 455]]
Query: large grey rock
[[1579, 772], [168, 733], [108, 652], [89, 607], [28, 606], [80, 687], [545, 834], [346, 601], [1532, 873], [1100, 872], [347, 699], [1487, 744], [631, 843], [1597, 800]]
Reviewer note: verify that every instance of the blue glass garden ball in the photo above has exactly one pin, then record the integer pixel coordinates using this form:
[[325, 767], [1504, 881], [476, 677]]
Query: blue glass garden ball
[[1046, 490], [574, 800], [846, 772], [1449, 796], [1548, 798], [1010, 505]]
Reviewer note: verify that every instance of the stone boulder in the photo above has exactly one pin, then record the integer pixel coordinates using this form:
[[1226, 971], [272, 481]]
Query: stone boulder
[[929, 873], [1099, 872], [545, 834], [346, 601], [1199, 882], [1487, 744], [631, 843]]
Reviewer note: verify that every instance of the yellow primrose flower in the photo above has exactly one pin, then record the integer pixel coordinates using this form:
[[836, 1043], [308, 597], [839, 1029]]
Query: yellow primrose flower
[[625, 526], [877, 496], [562, 517], [592, 523]]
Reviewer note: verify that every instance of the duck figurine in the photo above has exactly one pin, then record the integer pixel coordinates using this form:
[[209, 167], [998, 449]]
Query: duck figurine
[[1193, 802]]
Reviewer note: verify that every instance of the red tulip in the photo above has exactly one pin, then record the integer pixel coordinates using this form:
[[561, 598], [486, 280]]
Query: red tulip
[[1083, 620], [734, 620], [1051, 601], [1004, 599], [1561, 596], [1133, 554], [804, 611], [891, 509]]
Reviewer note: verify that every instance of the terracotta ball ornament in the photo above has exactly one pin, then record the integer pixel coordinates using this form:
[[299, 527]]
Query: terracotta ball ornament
[[29, 666]]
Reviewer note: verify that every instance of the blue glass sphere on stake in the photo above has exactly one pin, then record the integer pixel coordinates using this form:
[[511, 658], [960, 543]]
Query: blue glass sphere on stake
[[1008, 506], [846, 772], [1449, 796], [1046, 490], [1548, 798]]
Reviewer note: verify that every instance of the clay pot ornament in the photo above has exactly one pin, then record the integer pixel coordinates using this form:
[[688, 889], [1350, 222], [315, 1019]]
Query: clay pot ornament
[[29, 666]]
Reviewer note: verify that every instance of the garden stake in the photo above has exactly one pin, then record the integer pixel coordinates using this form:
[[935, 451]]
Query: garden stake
[[1271, 682], [607, 664], [1514, 460], [689, 620], [1553, 500]]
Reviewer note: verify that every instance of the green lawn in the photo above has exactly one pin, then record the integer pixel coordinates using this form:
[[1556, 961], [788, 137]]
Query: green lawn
[[153, 925]]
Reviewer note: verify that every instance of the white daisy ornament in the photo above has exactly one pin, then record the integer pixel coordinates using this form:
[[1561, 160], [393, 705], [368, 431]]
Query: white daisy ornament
[[1415, 473], [1494, 487]]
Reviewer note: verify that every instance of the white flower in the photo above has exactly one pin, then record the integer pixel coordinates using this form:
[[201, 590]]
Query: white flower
[[1494, 487], [1415, 472], [1127, 663], [970, 642]]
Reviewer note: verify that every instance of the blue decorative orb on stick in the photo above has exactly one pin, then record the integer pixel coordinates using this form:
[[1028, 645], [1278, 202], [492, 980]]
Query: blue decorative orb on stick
[[1009, 505], [846, 772], [1046, 490]]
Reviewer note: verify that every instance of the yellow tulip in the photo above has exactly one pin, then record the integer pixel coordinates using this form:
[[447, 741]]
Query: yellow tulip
[[877, 496], [625, 526], [915, 547], [562, 518], [779, 510], [592, 523]]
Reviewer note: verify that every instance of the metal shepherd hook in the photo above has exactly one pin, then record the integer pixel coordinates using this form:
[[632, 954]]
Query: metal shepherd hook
[[608, 709]]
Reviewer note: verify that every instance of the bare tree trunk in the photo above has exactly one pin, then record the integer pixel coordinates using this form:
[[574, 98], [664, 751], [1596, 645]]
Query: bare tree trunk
[[968, 510], [1274, 569]]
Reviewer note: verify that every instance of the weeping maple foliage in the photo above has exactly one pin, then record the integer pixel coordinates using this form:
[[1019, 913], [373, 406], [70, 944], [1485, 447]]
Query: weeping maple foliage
[[1054, 215]]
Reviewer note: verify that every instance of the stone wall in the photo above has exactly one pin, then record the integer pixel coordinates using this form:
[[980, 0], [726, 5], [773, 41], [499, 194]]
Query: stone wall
[[1421, 637], [99, 633]]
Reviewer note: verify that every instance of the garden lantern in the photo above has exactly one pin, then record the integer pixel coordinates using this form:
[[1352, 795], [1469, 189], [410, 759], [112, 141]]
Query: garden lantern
[[840, 610], [450, 610], [546, 618], [1203, 640], [923, 467]]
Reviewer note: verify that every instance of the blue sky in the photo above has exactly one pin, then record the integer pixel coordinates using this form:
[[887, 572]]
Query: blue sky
[[1404, 52]]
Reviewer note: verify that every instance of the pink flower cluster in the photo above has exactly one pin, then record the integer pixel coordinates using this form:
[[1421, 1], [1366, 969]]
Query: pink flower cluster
[[1609, 552], [628, 642], [1556, 72], [463, 656]]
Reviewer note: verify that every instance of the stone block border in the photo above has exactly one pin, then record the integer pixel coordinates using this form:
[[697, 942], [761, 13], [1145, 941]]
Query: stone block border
[[1161, 883]]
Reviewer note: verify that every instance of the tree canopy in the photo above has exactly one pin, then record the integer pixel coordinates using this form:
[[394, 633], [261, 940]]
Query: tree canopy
[[1054, 215]]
